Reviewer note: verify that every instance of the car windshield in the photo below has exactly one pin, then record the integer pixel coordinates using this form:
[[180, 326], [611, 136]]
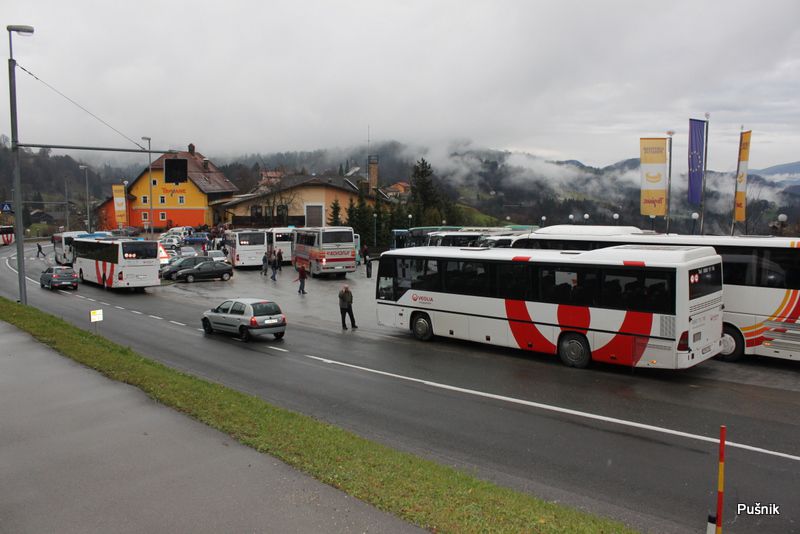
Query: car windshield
[[265, 308]]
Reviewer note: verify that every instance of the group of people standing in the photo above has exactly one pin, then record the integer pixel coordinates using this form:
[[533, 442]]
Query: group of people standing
[[274, 260]]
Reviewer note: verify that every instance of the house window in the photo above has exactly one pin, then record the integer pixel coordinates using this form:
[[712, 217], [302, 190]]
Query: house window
[[145, 215], [162, 215], [162, 199], [154, 181], [181, 199], [145, 198]]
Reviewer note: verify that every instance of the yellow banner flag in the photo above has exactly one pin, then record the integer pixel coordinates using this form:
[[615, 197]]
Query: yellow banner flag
[[120, 215], [741, 177], [653, 157]]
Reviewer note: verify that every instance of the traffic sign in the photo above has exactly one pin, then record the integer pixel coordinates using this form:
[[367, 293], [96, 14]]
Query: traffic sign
[[6, 207], [97, 315]]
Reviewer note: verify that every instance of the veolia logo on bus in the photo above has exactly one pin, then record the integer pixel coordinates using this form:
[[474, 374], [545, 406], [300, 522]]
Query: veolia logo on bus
[[421, 298]]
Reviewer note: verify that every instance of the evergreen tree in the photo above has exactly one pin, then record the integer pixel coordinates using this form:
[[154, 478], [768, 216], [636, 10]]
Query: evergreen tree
[[335, 217], [341, 170], [351, 212]]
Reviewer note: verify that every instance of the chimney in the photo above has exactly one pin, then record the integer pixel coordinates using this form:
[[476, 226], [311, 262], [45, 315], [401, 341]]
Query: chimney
[[191, 149], [205, 160], [372, 172]]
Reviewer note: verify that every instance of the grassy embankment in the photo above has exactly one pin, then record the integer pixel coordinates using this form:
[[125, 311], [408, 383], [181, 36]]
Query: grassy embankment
[[433, 496]]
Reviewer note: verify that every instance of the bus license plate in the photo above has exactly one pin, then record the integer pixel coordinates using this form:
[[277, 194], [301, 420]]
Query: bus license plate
[[706, 350]]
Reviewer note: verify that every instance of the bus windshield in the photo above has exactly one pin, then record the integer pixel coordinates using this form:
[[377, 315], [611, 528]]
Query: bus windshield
[[252, 238]]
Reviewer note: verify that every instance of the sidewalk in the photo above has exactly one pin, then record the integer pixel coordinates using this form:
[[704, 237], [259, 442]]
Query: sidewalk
[[81, 453]]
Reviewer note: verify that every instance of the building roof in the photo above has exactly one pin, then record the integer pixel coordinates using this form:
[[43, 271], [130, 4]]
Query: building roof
[[202, 172], [344, 183]]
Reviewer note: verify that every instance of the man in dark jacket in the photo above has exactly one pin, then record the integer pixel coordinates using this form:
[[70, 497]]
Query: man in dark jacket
[[346, 306]]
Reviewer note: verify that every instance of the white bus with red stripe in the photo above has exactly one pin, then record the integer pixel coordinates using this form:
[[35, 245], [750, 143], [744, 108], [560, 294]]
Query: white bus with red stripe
[[761, 280], [324, 250], [635, 305], [6, 235], [246, 247], [116, 263]]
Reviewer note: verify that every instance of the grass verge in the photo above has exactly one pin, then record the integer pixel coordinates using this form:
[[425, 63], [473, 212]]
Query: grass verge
[[430, 495]]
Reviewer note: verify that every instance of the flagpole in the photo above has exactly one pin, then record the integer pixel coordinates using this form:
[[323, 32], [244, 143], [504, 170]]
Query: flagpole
[[705, 167], [670, 133], [736, 180]]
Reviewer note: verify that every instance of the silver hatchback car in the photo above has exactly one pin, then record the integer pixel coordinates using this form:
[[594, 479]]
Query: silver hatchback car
[[246, 317]]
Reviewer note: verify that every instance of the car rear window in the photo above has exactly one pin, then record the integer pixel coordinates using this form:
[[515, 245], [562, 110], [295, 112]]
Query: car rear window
[[265, 308], [63, 270]]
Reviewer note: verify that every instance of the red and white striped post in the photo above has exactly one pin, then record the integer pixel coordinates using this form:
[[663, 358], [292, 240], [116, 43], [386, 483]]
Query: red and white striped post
[[715, 522]]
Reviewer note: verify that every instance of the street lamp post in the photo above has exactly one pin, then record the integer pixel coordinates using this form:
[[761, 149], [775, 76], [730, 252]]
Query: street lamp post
[[616, 218], [652, 223], [374, 230], [695, 216], [585, 218], [782, 218], [409, 220], [150, 181], [571, 218], [19, 234], [66, 203], [127, 208], [88, 213], [544, 219]]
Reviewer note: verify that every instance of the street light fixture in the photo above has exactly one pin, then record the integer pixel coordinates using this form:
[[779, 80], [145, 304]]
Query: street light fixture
[[585, 218], [374, 230], [544, 219], [695, 216], [88, 213], [150, 181], [19, 234], [782, 218], [571, 218], [409, 220], [616, 218]]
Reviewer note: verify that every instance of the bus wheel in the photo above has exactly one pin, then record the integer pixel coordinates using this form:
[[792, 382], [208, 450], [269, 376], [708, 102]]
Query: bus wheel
[[421, 326], [80, 275], [732, 344], [573, 349], [207, 327]]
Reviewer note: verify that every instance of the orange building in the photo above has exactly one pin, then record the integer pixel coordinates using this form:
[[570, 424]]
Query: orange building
[[185, 203]]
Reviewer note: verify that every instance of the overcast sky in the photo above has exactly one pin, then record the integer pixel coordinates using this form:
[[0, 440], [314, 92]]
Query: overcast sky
[[561, 79]]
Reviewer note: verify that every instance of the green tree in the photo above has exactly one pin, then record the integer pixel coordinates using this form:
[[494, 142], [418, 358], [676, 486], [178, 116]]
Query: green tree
[[335, 217], [424, 194], [351, 212], [341, 170]]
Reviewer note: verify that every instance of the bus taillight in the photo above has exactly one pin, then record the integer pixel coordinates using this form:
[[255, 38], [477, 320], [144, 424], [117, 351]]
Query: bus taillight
[[683, 342]]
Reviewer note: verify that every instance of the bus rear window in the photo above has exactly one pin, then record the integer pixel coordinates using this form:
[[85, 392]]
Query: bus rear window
[[705, 281], [252, 238], [283, 237], [342, 236], [140, 250]]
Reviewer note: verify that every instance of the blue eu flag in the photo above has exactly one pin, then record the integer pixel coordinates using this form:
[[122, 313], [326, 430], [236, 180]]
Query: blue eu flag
[[697, 141]]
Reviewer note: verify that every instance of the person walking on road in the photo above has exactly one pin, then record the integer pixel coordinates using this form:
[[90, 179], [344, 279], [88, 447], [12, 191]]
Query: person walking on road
[[273, 262], [346, 306], [264, 264], [301, 275], [40, 251], [280, 260]]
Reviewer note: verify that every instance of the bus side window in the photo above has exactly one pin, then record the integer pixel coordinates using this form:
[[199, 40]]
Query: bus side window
[[787, 260], [515, 281], [386, 276]]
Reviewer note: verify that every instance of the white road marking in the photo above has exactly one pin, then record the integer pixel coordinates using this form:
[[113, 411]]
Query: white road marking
[[137, 312], [156, 317], [105, 303], [176, 322], [119, 307], [80, 297], [62, 291], [549, 407], [8, 264], [89, 298], [200, 330], [278, 348]]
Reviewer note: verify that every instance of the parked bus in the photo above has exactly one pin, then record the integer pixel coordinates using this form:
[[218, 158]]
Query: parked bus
[[116, 262], [761, 279], [324, 250], [418, 236], [6, 235], [399, 238], [634, 305], [282, 240], [246, 247]]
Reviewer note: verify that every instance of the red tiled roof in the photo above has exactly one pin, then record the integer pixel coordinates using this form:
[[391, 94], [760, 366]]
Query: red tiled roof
[[208, 178]]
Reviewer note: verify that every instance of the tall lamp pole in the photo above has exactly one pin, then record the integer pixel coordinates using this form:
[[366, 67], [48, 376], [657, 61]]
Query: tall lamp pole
[[19, 234], [374, 230], [150, 181], [88, 213]]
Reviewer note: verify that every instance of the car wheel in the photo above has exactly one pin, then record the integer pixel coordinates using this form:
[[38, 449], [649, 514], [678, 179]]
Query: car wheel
[[279, 335], [244, 333], [190, 278], [732, 344], [41, 284], [421, 327], [573, 349], [226, 277], [207, 328]]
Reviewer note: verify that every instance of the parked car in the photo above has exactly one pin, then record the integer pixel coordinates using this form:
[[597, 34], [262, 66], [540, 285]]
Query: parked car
[[187, 252], [54, 277], [171, 242], [216, 255], [127, 231], [170, 271], [207, 270], [246, 317], [197, 238]]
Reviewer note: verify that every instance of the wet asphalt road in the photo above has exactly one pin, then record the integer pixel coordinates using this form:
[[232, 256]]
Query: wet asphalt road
[[649, 478]]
